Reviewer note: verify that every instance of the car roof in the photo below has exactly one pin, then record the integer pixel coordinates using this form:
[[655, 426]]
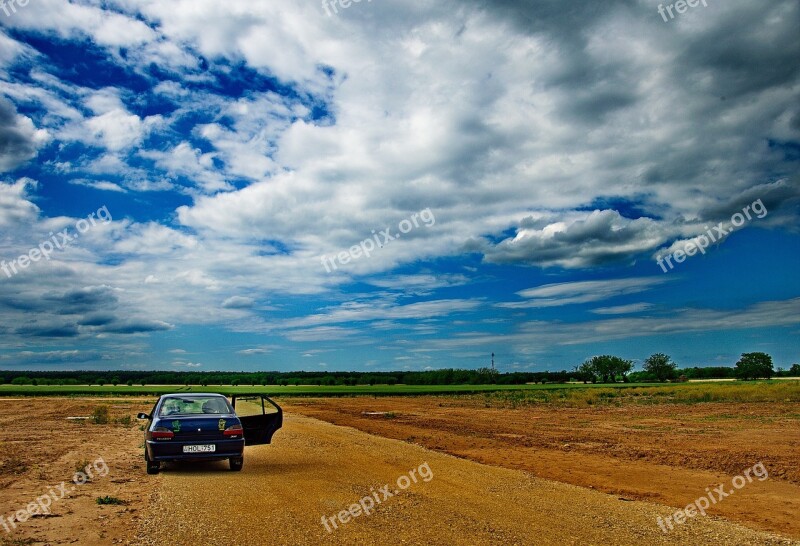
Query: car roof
[[184, 394]]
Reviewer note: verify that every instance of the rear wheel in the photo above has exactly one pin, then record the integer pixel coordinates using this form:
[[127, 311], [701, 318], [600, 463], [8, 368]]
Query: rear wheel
[[152, 466], [236, 463]]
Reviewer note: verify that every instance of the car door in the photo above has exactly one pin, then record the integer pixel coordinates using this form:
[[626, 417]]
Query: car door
[[261, 417]]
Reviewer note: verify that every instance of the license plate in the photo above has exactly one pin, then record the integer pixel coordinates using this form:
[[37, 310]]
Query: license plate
[[200, 449]]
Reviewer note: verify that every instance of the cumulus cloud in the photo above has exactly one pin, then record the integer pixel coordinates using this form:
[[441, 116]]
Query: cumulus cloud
[[596, 239], [19, 139], [15, 204], [541, 137]]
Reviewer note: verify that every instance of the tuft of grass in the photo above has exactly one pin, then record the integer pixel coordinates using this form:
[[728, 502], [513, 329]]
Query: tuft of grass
[[17, 541], [80, 466], [13, 464], [125, 420], [100, 415], [109, 500]]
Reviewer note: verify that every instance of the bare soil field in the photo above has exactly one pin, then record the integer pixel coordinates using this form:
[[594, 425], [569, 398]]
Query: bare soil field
[[666, 453], [41, 449], [315, 469]]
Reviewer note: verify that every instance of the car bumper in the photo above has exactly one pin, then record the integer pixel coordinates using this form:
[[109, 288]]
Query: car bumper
[[161, 451]]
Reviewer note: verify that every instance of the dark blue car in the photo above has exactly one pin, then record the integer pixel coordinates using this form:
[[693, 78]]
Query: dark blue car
[[208, 427]]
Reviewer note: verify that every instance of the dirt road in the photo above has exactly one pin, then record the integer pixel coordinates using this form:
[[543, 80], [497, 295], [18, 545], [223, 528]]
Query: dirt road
[[316, 470], [666, 453]]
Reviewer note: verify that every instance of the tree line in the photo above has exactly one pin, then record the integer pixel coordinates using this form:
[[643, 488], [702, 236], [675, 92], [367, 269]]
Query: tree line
[[604, 369], [660, 367]]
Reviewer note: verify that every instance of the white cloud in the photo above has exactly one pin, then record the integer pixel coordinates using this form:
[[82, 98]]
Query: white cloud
[[238, 302], [15, 204], [623, 309], [528, 129], [19, 138], [102, 185], [539, 336], [558, 294]]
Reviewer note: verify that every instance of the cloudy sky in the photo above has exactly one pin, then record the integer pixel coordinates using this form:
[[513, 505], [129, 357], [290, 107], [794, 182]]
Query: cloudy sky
[[181, 183]]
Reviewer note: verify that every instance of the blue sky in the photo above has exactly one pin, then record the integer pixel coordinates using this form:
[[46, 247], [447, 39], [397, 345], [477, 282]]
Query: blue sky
[[535, 158]]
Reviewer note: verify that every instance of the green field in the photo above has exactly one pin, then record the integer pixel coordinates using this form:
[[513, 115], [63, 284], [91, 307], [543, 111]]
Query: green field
[[300, 390], [759, 391]]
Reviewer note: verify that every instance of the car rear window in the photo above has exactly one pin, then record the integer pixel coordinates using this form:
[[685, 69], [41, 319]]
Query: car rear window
[[195, 405]]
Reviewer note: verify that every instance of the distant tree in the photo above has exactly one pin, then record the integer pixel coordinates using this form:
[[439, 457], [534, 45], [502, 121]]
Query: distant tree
[[486, 376], [607, 367], [794, 371], [661, 366], [754, 365], [587, 372], [115, 381], [129, 382]]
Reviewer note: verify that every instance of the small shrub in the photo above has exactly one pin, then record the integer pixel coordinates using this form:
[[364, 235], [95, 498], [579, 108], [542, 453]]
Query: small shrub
[[125, 420], [100, 415], [109, 500], [80, 466]]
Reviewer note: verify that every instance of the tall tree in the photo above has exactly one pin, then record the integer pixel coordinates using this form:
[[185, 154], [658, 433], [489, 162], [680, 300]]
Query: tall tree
[[661, 366], [607, 367], [754, 365]]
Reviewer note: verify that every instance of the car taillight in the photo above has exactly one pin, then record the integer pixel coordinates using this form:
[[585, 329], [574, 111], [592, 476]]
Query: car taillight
[[234, 430], [162, 433]]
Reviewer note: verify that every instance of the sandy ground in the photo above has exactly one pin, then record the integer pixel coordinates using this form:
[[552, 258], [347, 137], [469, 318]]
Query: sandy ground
[[41, 449], [664, 453], [315, 469]]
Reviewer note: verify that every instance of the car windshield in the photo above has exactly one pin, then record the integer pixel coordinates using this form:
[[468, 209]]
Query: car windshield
[[195, 405]]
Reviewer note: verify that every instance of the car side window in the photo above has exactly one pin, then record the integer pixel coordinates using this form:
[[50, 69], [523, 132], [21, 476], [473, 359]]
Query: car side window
[[215, 405]]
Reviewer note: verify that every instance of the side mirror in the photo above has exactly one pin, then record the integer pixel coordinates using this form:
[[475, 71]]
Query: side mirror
[[143, 416]]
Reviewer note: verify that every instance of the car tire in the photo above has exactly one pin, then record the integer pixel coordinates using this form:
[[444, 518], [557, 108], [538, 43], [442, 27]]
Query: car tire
[[152, 467], [236, 463]]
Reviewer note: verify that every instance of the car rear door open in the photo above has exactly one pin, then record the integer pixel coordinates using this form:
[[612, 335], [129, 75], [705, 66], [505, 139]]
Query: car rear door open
[[261, 417]]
